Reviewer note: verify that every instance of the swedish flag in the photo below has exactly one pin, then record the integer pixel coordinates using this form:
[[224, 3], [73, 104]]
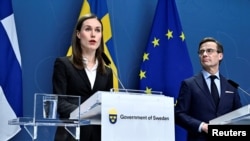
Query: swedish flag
[[99, 8]]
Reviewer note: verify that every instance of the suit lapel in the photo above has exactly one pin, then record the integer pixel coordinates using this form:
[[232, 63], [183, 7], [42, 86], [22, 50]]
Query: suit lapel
[[83, 75], [100, 81], [96, 82], [200, 81], [223, 83]]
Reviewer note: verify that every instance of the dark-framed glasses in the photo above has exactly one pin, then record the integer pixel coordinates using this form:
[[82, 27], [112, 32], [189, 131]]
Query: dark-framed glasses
[[208, 51]]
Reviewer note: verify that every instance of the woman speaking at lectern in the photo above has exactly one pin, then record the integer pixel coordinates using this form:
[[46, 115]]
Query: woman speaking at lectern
[[82, 74]]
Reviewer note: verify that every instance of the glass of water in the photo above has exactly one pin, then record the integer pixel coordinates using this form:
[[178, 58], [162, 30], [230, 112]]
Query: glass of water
[[50, 106]]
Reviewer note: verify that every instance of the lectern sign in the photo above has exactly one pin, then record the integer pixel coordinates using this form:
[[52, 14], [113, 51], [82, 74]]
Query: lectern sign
[[137, 117], [126, 116]]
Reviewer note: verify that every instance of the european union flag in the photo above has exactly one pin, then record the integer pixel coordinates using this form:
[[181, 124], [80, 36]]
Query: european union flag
[[166, 60]]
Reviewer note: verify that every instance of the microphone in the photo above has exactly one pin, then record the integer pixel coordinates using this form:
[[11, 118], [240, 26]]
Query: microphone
[[106, 59], [236, 85], [108, 62]]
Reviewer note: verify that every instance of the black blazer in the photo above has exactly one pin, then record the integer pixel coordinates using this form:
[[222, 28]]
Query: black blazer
[[195, 104], [68, 80]]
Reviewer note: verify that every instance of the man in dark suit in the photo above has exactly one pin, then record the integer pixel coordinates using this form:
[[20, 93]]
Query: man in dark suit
[[196, 105]]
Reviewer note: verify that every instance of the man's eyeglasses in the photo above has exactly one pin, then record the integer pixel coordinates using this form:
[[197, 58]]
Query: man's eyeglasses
[[208, 51]]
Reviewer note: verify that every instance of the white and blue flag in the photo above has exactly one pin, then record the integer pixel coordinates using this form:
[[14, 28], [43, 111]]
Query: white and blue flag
[[10, 73]]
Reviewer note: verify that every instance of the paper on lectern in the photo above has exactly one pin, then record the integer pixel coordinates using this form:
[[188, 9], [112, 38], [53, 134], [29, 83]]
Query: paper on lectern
[[90, 109], [237, 116]]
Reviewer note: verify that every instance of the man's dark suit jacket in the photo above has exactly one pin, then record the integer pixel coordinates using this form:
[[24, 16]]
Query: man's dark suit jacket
[[69, 80], [195, 104]]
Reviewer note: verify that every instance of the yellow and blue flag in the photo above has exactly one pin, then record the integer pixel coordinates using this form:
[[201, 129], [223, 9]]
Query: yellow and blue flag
[[10, 73], [99, 8], [166, 60]]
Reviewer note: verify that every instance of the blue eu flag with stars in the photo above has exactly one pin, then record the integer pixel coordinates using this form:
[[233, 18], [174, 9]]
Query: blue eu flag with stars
[[166, 60]]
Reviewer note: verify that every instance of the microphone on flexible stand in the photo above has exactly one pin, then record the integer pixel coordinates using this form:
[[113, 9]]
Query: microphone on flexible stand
[[108, 62], [236, 85], [106, 59]]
